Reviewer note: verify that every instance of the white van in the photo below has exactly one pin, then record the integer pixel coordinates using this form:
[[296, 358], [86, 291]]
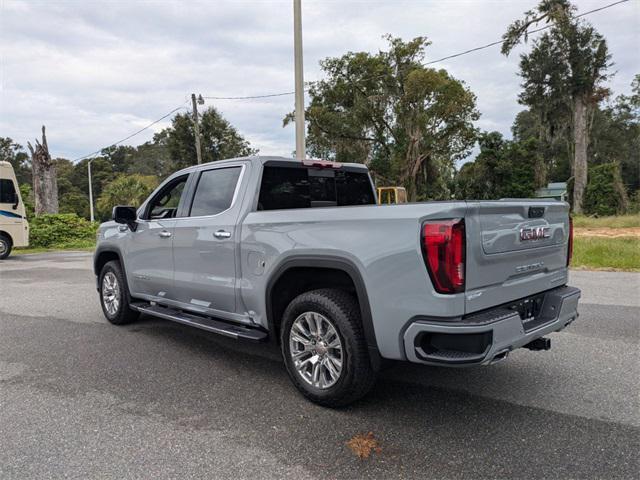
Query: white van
[[14, 228]]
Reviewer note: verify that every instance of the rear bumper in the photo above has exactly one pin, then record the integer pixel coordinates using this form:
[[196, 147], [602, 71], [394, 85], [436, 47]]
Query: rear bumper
[[490, 335]]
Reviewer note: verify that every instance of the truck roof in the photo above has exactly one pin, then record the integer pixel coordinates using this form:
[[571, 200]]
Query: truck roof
[[268, 158]]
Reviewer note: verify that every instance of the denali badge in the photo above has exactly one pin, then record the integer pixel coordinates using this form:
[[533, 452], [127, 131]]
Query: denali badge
[[534, 233], [528, 268]]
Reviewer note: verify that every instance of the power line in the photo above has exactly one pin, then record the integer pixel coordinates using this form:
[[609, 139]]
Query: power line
[[455, 55], [529, 32], [130, 136], [251, 97], [282, 94]]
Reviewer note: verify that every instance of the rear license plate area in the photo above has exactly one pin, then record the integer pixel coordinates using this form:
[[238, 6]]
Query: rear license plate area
[[529, 310]]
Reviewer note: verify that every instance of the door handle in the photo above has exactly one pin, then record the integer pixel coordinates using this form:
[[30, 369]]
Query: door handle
[[222, 234], [164, 234]]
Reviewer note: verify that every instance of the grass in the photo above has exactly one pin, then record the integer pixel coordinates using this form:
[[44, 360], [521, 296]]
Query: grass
[[622, 253], [85, 245], [618, 221]]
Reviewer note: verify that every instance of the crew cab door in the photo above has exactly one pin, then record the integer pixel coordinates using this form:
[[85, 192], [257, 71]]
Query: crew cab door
[[204, 244], [148, 250]]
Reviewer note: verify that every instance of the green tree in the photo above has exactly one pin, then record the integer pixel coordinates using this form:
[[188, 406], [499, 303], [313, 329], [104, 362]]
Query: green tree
[[102, 173], [616, 136], [605, 193], [502, 169], [71, 198], [151, 158], [125, 190], [219, 140], [26, 192], [408, 123], [554, 145], [564, 71], [14, 153]]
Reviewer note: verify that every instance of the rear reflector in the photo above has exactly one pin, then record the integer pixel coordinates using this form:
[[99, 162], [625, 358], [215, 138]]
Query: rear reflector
[[443, 246], [570, 249]]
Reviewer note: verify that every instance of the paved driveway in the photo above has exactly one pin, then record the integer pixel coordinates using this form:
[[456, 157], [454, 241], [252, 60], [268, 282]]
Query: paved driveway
[[81, 398]]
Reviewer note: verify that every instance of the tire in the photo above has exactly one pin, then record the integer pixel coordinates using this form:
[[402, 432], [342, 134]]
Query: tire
[[5, 246], [113, 285], [355, 375]]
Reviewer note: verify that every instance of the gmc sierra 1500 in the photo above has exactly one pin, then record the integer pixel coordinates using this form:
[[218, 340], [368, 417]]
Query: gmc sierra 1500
[[299, 253]]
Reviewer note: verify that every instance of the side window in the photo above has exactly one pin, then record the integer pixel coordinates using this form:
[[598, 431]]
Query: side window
[[284, 188], [7, 191], [215, 190], [165, 204]]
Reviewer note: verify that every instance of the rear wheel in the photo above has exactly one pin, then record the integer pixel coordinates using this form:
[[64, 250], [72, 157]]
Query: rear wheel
[[324, 348], [114, 295], [5, 246]]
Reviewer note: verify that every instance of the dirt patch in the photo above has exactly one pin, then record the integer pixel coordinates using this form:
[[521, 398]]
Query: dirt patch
[[607, 232]]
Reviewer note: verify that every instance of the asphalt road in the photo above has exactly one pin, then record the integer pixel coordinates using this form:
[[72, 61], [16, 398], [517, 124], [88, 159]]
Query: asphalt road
[[80, 398]]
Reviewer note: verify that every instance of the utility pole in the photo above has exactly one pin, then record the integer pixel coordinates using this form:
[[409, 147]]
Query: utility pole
[[196, 124], [90, 191], [299, 77]]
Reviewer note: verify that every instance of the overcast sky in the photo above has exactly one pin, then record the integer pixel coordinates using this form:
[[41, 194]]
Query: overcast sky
[[95, 72]]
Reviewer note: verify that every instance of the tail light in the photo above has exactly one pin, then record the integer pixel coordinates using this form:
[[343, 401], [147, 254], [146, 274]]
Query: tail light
[[443, 246], [570, 249]]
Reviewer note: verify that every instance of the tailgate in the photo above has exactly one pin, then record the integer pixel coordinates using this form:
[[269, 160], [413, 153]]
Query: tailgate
[[515, 248]]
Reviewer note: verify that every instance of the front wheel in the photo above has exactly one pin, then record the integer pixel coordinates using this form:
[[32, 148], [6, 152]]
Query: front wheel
[[114, 295], [324, 348], [5, 247]]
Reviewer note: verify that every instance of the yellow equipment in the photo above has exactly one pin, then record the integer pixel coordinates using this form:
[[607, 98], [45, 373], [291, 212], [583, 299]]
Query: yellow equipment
[[389, 195]]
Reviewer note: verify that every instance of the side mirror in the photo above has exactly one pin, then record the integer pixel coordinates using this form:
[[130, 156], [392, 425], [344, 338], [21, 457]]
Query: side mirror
[[126, 216], [16, 200]]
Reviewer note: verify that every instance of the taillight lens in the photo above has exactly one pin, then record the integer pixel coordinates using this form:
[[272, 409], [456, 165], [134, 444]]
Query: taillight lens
[[570, 249], [443, 245]]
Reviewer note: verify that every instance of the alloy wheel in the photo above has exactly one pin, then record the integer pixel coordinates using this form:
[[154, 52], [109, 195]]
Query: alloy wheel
[[110, 293], [316, 350]]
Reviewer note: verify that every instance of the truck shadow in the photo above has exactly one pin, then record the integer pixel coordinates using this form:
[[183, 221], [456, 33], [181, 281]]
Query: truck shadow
[[419, 422], [262, 362]]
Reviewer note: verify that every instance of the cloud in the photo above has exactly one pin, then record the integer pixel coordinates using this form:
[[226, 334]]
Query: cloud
[[94, 72]]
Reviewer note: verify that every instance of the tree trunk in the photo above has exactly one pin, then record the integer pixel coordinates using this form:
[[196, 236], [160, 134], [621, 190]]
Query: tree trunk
[[580, 143], [45, 183], [413, 162], [540, 168]]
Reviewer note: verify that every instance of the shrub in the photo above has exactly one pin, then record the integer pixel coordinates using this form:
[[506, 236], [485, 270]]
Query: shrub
[[61, 230]]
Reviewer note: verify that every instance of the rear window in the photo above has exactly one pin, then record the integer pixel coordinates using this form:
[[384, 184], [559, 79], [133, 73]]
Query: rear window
[[299, 187]]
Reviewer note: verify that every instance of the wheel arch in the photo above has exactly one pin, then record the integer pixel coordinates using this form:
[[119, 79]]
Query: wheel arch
[[104, 255], [6, 234], [342, 268]]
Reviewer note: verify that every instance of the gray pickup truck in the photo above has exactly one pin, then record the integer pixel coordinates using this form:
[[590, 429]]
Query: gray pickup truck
[[300, 254]]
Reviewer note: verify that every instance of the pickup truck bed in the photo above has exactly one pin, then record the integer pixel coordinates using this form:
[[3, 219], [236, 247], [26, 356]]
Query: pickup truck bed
[[455, 283]]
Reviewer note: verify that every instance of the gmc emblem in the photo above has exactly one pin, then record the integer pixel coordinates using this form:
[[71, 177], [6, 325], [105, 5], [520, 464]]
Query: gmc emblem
[[534, 233]]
